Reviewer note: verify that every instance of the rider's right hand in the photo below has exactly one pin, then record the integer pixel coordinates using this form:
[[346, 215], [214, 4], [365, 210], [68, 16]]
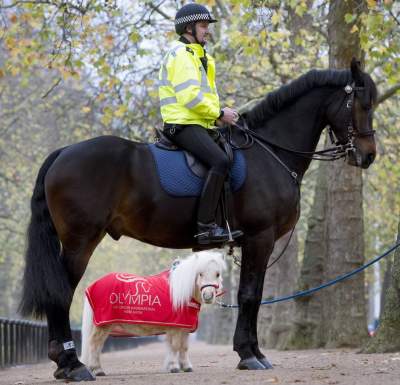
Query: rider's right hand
[[230, 115]]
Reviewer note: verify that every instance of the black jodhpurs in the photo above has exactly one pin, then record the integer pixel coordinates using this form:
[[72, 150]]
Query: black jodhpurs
[[197, 141]]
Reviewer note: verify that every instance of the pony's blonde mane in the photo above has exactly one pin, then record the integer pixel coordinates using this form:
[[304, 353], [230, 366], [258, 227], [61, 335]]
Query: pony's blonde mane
[[183, 276]]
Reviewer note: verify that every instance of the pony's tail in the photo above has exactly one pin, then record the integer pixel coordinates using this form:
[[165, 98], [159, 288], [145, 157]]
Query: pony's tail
[[45, 282], [87, 326]]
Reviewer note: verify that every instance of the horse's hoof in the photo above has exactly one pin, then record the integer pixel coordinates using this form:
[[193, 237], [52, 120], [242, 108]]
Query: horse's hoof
[[265, 362], [187, 370], [81, 373], [174, 370], [250, 364]]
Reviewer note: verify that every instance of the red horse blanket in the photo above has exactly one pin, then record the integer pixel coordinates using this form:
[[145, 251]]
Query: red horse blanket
[[129, 298]]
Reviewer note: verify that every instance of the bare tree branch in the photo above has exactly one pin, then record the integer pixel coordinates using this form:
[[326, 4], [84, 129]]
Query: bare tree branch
[[158, 10], [394, 17], [388, 93], [52, 88]]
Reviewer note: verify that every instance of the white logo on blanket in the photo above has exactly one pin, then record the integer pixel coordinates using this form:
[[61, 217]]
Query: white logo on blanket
[[141, 295]]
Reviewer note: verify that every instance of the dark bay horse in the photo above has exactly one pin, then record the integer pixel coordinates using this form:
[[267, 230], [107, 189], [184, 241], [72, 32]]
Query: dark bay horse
[[110, 185]]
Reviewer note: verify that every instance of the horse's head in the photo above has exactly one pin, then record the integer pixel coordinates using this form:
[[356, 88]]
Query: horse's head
[[198, 276], [209, 277], [350, 116]]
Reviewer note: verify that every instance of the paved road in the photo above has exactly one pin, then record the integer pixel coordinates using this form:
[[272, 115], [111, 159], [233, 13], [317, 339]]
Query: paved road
[[215, 365]]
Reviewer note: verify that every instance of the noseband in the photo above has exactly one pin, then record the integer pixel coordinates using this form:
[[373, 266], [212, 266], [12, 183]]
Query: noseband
[[214, 285]]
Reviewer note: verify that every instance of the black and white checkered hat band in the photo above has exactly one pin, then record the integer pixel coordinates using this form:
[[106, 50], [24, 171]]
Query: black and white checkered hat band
[[195, 17]]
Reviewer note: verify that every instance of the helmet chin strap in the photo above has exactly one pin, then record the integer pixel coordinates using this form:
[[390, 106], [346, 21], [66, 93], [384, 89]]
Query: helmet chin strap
[[193, 29]]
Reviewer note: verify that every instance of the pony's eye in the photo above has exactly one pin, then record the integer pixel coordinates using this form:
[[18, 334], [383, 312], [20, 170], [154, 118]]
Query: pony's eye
[[201, 275], [218, 274]]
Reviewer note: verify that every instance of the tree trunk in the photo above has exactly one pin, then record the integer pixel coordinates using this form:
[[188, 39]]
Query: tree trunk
[[307, 327], [345, 309], [274, 320], [387, 337]]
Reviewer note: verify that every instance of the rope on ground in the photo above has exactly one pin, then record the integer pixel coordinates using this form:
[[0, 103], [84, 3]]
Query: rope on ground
[[323, 286]]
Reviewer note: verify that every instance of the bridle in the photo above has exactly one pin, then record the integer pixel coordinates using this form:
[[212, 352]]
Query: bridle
[[352, 133]]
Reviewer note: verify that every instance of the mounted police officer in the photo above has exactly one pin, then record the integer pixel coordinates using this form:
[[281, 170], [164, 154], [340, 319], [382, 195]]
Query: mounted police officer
[[190, 108]]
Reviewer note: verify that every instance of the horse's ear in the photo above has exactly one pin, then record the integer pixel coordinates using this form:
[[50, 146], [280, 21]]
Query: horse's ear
[[356, 72]]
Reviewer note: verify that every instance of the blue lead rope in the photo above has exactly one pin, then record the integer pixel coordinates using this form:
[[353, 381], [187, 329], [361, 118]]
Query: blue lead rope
[[327, 284]]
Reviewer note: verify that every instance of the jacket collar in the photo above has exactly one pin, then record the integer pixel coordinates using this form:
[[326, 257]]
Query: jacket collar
[[198, 48]]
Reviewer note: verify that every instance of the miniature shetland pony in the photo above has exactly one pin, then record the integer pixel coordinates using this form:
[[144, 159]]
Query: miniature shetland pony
[[191, 282]]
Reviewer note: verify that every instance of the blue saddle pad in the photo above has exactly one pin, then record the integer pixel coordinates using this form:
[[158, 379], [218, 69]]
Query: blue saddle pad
[[177, 179]]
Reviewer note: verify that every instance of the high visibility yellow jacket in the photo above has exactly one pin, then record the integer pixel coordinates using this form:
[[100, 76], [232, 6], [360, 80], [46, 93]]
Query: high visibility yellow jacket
[[188, 95]]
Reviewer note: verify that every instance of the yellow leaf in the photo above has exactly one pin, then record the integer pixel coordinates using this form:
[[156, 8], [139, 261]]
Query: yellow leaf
[[121, 111], [276, 17], [371, 3], [354, 29], [85, 109]]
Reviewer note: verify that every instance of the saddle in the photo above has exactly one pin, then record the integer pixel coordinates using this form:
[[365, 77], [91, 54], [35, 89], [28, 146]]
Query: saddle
[[162, 141]]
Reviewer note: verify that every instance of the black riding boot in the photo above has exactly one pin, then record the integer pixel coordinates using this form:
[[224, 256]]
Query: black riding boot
[[208, 230]]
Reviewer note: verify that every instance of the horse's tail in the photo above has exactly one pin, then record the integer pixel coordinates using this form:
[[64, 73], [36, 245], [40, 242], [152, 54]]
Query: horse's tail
[[87, 326], [45, 282]]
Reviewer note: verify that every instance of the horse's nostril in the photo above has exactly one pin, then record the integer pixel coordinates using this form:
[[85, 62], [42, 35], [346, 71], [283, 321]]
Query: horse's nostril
[[371, 157]]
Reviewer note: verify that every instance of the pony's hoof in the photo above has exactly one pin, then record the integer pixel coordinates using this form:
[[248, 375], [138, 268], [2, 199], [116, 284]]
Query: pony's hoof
[[99, 373], [174, 370], [187, 370], [80, 373], [265, 362], [250, 364]]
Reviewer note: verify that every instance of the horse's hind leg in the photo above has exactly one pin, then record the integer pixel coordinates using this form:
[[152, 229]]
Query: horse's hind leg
[[173, 345], [76, 254], [184, 361]]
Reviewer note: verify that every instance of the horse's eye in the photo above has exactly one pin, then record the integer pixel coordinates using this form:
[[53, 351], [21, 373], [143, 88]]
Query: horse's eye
[[201, 275], [218, 274]]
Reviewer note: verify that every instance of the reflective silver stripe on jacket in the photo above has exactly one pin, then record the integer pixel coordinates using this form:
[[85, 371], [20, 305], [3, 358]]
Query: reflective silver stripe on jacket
[[195, 101], [164, 73], [204, 81], [170, 100], [186, 84], [164, 77]]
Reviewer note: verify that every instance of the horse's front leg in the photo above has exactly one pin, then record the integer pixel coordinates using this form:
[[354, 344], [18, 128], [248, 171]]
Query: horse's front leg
[[255, 253]]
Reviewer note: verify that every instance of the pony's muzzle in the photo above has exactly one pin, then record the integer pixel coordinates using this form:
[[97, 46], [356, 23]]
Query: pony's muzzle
[[208, 293]]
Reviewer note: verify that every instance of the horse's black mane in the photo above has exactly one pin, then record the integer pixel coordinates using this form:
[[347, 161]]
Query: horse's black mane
[[287, 94]]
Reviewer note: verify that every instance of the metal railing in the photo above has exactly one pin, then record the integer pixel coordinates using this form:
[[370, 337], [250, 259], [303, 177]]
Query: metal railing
[[26, 342]]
